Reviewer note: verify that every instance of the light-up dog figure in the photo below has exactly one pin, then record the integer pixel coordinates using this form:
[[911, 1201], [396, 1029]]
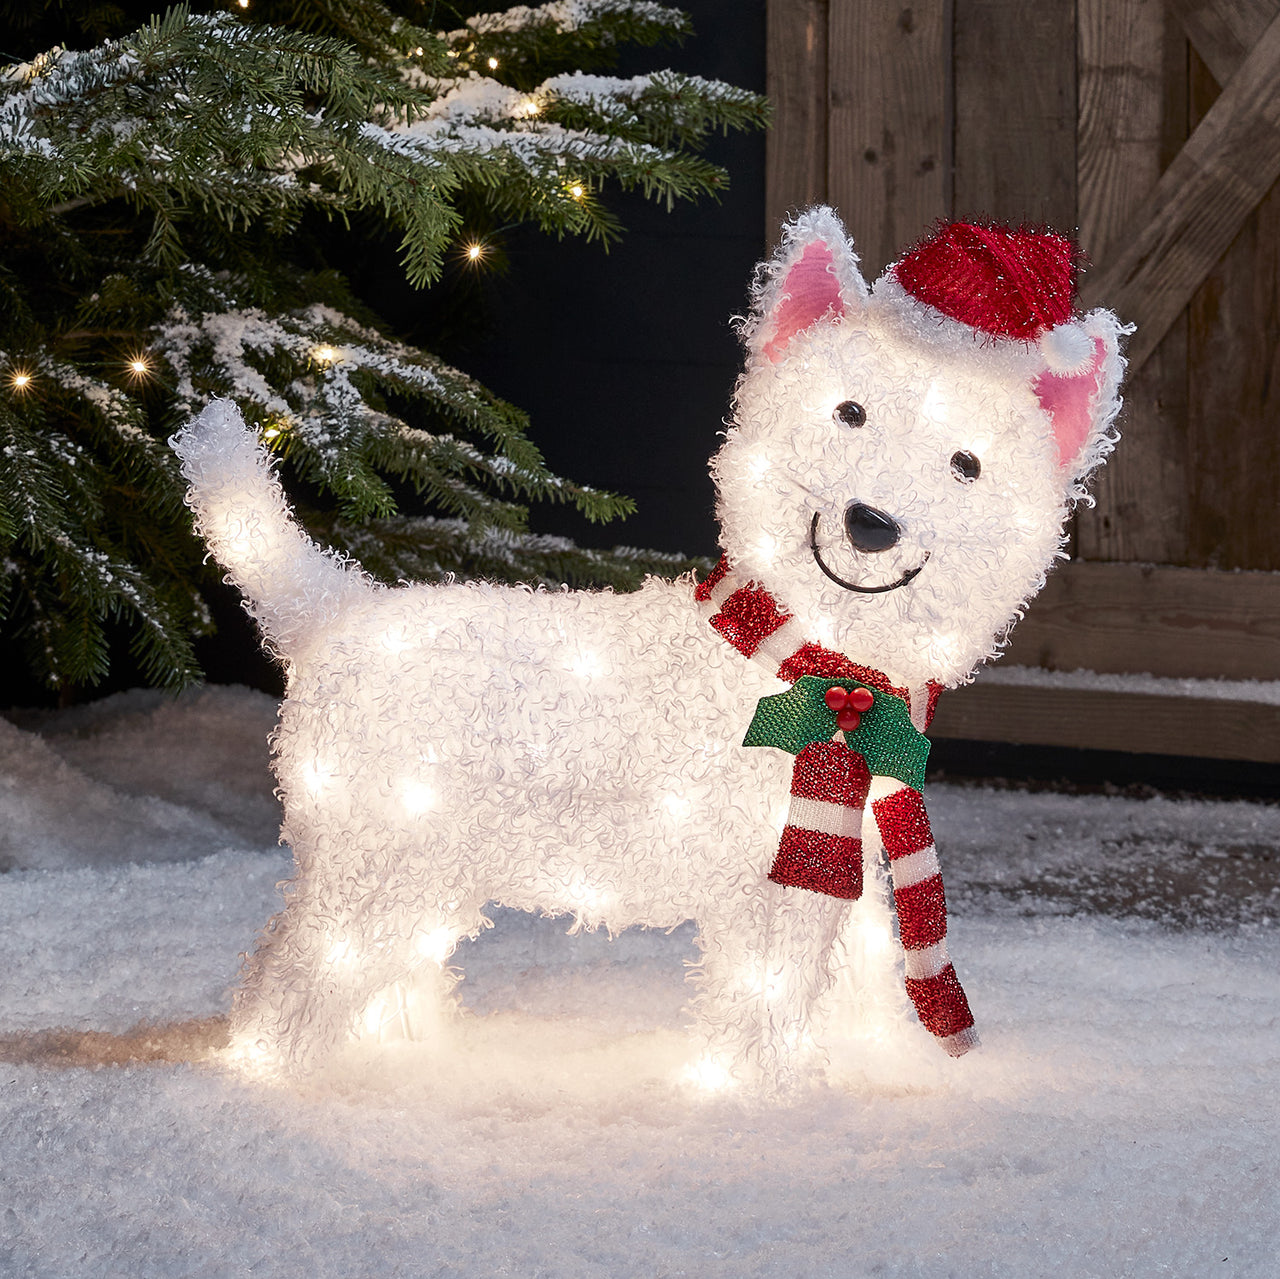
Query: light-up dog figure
[[891, 491]]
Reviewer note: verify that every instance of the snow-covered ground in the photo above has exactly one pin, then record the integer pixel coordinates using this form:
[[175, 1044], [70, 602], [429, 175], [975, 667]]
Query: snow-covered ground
[[1121, 1118]]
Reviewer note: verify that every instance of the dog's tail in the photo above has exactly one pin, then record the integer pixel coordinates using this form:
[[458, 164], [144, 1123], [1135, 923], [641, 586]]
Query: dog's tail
[[291, 584]]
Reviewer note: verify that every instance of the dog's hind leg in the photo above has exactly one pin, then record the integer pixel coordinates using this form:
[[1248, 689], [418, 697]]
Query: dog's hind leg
[[346, 961], [289, 1013], [763, 969]]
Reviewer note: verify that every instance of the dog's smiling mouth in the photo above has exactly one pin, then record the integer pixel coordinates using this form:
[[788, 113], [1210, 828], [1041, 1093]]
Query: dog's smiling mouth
[[909, 576]]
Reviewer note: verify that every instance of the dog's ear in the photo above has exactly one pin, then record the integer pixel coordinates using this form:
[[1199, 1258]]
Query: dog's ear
[[1079, 389], [812, 278]]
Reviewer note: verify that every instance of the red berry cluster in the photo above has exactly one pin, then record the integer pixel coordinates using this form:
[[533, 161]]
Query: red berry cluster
[[849, 706]]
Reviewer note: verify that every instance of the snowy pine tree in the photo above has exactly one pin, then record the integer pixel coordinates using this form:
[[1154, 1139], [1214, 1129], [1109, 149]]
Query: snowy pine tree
[[161, 195]]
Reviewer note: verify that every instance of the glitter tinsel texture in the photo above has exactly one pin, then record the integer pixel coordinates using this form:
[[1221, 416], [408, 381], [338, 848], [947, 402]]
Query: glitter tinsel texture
[[1006, 282]]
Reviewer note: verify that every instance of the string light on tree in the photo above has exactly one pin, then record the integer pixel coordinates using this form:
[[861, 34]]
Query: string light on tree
[[388, 116]]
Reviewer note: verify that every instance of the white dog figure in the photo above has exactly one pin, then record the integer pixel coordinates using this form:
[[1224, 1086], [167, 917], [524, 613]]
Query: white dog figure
[[892, 490]]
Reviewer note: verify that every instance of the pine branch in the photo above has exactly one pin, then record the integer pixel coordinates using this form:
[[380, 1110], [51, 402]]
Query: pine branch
[[159, 195], [427, 549], [318, 382]]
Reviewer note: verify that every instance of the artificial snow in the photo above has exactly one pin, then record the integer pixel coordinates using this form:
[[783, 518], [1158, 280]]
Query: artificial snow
[[1263, 691], [1120, 1118]]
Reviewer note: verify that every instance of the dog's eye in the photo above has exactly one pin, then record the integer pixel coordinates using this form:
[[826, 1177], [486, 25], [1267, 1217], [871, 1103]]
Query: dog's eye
[[965, 467], [851, 413]]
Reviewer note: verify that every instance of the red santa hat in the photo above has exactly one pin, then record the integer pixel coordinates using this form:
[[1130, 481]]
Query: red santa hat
[[1004, 282]]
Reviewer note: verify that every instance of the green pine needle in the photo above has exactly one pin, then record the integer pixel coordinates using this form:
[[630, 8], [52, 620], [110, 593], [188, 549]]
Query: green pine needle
[[160, 192]]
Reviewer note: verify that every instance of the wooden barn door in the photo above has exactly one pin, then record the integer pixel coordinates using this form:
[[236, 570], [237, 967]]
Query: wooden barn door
[[1152, 129]]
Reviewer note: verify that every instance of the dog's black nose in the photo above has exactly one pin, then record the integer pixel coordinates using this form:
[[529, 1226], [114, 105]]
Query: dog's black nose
[[869, 529]]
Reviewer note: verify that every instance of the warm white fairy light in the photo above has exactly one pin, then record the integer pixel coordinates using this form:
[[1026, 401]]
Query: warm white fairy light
[[577, 191], [316, 777], [767, 548], [418, 797], [709, 1075], [475, 251], [251, 1057], [138, 367], [380, 1011], [587, 664], [20, 379], [436, 944], [395, 640], [583, 895], [325, 354], [493, 64]]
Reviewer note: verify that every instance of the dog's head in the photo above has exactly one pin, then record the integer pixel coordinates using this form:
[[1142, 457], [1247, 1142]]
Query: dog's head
[[902, 458]]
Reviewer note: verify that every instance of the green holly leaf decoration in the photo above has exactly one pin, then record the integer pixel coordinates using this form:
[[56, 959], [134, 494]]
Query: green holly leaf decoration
[[885, 737]]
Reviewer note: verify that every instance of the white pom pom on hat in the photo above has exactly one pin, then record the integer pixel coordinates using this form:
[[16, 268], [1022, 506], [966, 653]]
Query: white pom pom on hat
[[1067, 348]]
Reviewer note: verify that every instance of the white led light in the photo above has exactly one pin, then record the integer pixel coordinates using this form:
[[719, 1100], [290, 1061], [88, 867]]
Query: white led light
[[587, 665], [710, 1075], [394, 640], [678, 806], [316, 777], [417, 796], [377, 1013], [436, 944]]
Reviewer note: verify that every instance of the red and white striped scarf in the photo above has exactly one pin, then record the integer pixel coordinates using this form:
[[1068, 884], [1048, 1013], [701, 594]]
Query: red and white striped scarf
[[821, 848]]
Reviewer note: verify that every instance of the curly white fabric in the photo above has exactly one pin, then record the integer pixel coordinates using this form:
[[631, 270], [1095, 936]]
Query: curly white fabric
[[445, 746]]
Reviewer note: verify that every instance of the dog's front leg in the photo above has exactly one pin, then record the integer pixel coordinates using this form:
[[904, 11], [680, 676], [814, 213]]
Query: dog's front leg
[[764, 967]]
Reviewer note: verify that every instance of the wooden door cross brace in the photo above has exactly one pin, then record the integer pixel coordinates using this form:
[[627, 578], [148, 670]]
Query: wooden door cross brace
[[1218, 178]]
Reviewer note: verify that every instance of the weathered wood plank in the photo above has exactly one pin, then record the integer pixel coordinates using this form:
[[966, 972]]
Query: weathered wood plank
[[1121, 67], [1132, 64], [1142, 510], [1135, 618], [1223, 31], [1234, 326], [888, 134], [1142, 723], [1186, 224], [1015, 111], [796, 82]]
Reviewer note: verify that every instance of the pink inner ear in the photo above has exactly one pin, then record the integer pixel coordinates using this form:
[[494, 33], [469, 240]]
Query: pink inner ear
[[1068, 400], [810, 292]]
